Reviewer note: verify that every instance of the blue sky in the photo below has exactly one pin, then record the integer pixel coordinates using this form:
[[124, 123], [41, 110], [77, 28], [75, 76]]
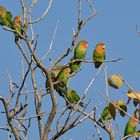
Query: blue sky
[[114, 24]]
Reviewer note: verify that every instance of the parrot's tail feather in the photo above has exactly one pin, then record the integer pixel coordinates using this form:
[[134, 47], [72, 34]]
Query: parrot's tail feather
[[97, 64]]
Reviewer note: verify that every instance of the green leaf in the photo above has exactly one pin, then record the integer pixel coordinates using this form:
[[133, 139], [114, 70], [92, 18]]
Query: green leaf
[[105, 115], [122, 105], [112, 110], [135, 102]]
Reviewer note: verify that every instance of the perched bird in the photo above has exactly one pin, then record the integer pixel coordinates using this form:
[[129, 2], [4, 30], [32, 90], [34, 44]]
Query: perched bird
[[17, 25], [81, 50], [74, 66], [5, 17], [62, 79], [72, 97], [64, 75], [99, 54], [131, 126], [54, 74], [57, 70]]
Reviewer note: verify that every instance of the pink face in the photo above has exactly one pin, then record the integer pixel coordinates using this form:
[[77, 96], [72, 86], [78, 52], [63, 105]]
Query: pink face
[[19, 20], [101, 48], [68, 70], [85, 43]]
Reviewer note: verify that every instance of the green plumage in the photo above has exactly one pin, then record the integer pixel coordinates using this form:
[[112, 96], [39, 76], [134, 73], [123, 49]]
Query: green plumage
[[62, 78], [5, 17], [74, 66], [99, 54], [81, 50], [98, 57], [130, 127], [72, 97], [54, 75], [64, 75], [57, 70]]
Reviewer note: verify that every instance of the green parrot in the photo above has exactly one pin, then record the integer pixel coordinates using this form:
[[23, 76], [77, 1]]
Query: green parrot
[[17, 25], [57, 70], [5, 17], [105, 115], [62, 78], [99, 54], [131, 126], [72, 97], [54, 74], [81, 50], [74, 66], [64, 75]]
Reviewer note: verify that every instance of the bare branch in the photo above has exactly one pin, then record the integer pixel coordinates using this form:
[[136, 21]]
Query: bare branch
[[31, 7], [109, 122], [43, 15], [79, 11], [92, 15], [38, 103], [59, 118], [11, 90], [23, 52], [23, 10], [31, 117], [51, 44], [9, 119], [53, 98]]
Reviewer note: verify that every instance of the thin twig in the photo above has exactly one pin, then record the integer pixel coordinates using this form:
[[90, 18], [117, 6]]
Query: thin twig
[[51, 44], [92, 15], [31, 117], [23, 10], [43, 15], [79, 11], [37, 103], [9, 119]]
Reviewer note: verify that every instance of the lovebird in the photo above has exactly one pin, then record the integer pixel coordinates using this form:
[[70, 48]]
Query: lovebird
[[57, 70], [5, 17], [99, 54], [17, 25], [74, 66], [62, 78], [72, 97], [54, 74], [81, 50], [131, 126], [64, 75]]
